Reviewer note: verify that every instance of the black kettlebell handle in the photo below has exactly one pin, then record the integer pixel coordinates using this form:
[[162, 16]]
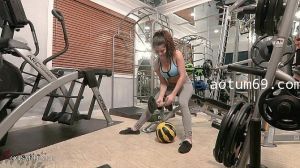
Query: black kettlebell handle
[[56, 13]]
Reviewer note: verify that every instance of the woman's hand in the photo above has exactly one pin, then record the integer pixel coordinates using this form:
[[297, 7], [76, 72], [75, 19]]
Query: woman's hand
[[160, 102], [170, 99]]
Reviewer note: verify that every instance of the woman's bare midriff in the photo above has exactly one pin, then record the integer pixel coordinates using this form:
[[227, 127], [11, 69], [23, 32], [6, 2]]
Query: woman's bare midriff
[[172, 81]]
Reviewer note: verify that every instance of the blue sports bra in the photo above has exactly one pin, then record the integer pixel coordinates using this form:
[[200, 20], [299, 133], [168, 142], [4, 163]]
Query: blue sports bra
[[173, 71]]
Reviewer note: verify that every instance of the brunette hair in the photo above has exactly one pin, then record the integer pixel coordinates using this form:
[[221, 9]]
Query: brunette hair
[[164, 37]]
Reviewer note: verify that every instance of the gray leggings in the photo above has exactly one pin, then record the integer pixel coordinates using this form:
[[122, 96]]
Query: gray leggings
[[183, 97]]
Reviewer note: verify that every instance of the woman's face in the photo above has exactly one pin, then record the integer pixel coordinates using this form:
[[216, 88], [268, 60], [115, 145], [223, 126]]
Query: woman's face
[[160, 50]]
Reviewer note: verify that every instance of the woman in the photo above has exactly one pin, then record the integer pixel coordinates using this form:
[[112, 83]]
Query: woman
[[170, 68], [297, 68]]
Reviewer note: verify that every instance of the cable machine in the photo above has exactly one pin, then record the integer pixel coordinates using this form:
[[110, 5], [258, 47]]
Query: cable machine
[[136, 40]]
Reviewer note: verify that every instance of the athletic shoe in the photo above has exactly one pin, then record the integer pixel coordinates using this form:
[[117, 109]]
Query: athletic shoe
[[185, 147], [129, 131]]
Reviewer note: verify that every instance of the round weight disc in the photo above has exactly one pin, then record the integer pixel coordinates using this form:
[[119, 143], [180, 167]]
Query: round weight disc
[[261, 52], [235, 138], [152, 106], [224, 130], [277, 119]]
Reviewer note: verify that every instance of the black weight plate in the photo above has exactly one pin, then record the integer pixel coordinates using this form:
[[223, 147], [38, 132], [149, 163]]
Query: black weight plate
[[226, 157], [269, 23], [235, 136], [261, 52], [223, 127], [223, 131], [152, 106], [260, 16], [11, 79], [270, 115]]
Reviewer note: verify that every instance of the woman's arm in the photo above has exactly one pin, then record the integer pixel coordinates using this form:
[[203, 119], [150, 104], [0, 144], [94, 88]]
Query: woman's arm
[[163, 84], [182, 73]]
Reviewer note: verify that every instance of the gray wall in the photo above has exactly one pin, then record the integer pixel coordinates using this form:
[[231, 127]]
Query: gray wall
[[37, 12]]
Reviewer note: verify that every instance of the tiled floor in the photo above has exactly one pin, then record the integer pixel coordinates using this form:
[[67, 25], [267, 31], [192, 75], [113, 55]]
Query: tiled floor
[[143, 151]]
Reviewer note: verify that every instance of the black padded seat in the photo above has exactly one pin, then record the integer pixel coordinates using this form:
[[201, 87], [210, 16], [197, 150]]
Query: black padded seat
[[97, 71], [7, 43]]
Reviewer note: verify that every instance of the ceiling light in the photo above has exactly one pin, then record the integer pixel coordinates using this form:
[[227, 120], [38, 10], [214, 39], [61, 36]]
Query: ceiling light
[[193, 14], [297, 14], [147, 28], [216, 31]]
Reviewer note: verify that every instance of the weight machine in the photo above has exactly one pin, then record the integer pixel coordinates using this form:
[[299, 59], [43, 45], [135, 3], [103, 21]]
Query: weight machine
[[276, 104], [13, 18]]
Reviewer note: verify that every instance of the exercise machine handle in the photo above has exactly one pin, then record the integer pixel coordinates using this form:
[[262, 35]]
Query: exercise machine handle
[[57, 14], [35, 40], [36, 44]]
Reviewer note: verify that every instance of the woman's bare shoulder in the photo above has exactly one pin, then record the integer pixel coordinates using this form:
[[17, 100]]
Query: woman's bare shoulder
[[178, 54]]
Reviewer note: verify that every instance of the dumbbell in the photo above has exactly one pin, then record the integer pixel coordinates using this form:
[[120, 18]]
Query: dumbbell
[[152, 105]]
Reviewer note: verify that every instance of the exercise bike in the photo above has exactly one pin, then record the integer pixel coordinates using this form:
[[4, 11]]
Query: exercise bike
[[13, 18]]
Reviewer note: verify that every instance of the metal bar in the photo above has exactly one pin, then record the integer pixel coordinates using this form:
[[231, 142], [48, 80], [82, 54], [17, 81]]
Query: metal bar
[[102, 105], [48, 106], [236, 5], [68, 99], [133, 73], [221, 47], [92, 105], [288, 137], [113, 72], [213, 115], [269, 137], [142, 96], [152, 62], [235, 59], [41, 69], [236, 63], [255, 124], [140, 38], [78, 100]]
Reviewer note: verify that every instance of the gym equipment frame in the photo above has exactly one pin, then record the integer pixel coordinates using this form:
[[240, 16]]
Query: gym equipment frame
[[16, 19], [141, 18]]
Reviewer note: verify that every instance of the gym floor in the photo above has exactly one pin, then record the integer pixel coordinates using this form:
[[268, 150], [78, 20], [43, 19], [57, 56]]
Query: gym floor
[[106, 146]]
